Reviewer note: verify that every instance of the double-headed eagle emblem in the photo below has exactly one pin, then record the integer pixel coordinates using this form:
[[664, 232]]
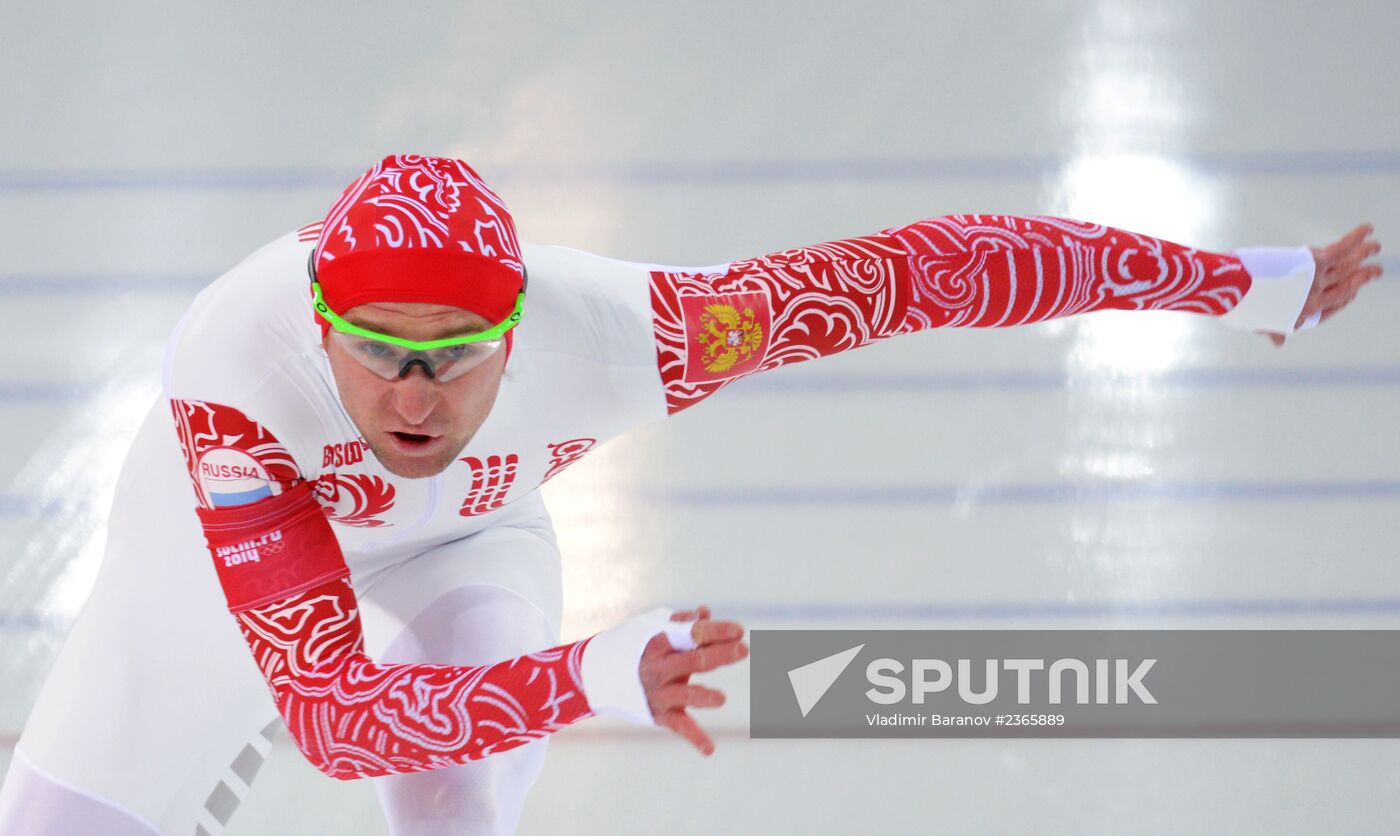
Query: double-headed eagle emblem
[[727, 337]]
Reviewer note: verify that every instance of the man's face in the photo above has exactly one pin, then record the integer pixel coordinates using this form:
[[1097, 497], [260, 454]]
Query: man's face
[[414, 425]]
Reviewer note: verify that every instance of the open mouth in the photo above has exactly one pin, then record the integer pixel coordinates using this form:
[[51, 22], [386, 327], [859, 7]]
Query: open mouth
[[413, 441]]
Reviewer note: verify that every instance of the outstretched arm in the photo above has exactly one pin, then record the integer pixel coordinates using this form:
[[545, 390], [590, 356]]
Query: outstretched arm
[[971, 271], [289, 589]]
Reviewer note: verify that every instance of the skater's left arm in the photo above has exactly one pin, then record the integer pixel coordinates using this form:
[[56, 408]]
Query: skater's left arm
[[716, 325]]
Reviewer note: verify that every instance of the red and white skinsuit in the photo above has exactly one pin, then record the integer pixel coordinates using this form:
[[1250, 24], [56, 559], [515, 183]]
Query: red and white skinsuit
[[156, 717]]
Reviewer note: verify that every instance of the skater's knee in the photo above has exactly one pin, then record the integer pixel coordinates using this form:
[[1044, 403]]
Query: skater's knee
[[473, 625], [33, 803]]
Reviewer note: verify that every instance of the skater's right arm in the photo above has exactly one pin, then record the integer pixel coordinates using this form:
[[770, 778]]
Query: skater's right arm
[[289, 588]]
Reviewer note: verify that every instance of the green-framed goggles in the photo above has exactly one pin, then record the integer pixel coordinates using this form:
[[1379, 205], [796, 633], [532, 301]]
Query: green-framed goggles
[[393, 357]]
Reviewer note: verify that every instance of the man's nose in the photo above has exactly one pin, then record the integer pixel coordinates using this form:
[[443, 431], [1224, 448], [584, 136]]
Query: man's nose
[[414, 395]]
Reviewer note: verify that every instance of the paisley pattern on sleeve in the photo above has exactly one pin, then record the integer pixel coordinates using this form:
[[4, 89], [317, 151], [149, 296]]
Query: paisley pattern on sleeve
[[990, 271], [354, 718], [981, 271]]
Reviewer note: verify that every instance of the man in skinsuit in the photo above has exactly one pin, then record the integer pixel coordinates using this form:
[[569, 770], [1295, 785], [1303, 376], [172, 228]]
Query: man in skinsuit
[[380, 395]]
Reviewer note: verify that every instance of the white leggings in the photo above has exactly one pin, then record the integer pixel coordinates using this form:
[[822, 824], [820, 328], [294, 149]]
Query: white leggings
[[155, 720], [465, 627]]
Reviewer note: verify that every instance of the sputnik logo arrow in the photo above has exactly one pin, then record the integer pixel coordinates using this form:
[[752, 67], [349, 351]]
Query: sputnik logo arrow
[[811, 681]]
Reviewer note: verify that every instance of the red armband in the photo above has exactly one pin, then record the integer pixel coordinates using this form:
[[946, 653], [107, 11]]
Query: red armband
[[272, 549]]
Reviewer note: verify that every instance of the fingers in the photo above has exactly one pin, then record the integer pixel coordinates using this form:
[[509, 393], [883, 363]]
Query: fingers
[[704, 658], [712, 633], [1338, 295], [1339, 260], [1340, 303], [709, 632], [1352, 259], [1346, 281], [1342, 269], [682, 694], [1351, 240], [670, 693], [1334, 302], [684, 725], [706, 631]]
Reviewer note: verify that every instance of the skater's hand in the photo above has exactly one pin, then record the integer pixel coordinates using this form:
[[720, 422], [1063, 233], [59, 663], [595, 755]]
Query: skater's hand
[[1342, 269], [666, 673]]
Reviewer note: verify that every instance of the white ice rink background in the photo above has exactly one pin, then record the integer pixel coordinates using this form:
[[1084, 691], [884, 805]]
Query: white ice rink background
[[1116, 469]]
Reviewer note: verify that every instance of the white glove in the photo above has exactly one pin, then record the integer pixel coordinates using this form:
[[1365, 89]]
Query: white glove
[[1281, 279], [612, 680]]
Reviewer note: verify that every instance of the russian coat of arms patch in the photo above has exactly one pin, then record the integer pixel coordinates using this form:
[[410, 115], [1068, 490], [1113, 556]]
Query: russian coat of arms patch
[[725, 335]]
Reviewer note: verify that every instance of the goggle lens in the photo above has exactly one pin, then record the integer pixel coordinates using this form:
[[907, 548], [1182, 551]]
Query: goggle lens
[[392, 361]]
